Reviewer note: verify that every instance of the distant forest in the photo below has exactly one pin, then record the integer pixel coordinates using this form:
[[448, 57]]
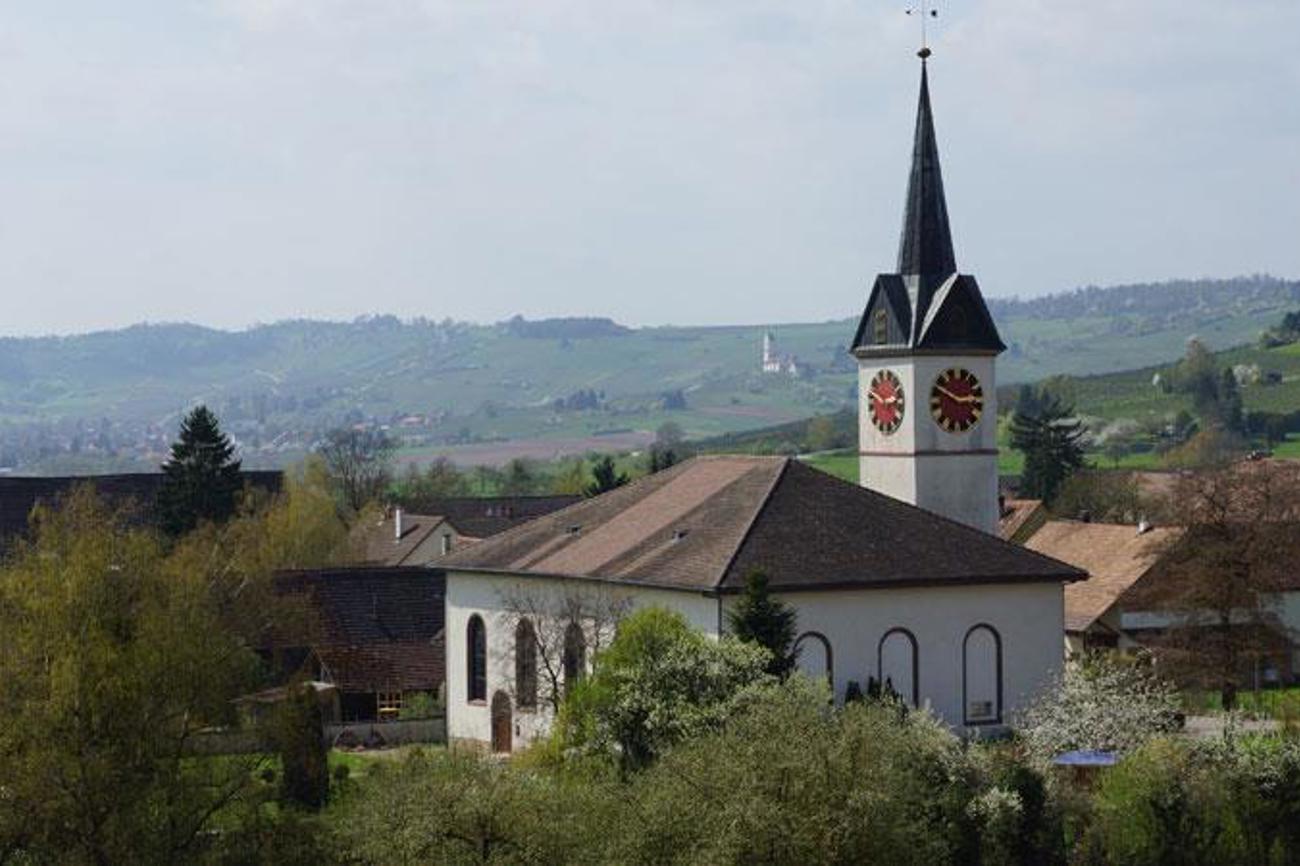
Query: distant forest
[[1175, 298]]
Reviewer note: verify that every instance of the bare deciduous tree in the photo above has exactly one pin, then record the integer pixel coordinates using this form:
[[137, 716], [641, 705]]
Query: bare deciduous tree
[[564, 629], [358, 462], [1219, 581]]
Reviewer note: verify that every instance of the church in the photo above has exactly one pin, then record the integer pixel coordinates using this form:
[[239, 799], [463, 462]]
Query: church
[[901, 580]]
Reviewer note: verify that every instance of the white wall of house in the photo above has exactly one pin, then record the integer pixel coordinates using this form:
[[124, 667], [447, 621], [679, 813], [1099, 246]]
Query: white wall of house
[[1028, 618], [468, 594]]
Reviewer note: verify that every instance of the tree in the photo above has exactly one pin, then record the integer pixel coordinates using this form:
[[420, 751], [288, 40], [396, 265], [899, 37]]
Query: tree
[[760, 619], [299, 736], [571, 478], [359, 462], [1052, 442], [1108, 497], [1219, 581], [554, 622], [201, 478], [112, 660], [1101, 702], [605, 477], [659, 683], [822, 435]]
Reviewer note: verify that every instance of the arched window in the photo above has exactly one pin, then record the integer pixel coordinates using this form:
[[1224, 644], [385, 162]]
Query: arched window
[[575, 654], [981, 685], [812, 652], [476, 656], [525, 664], [896, 659]]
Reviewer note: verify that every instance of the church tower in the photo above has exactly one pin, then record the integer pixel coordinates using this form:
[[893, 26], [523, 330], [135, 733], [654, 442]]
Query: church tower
[[926, 350]]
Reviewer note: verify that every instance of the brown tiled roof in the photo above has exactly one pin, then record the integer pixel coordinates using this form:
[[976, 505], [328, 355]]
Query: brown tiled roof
[[375, 628], [1114, 555], [382, 547], [19, 494], [1020, 519], [706, 523], [483, 517]]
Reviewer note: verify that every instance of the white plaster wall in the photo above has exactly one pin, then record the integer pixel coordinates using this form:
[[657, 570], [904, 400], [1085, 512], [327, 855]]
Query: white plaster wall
[[922, 463], [468, 594], [1028, 617]]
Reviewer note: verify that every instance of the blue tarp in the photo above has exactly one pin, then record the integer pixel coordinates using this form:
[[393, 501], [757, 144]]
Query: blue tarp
[[1086, 758]]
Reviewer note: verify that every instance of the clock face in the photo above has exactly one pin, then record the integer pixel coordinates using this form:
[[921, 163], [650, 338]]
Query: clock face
[[885, 401], [957, 400]]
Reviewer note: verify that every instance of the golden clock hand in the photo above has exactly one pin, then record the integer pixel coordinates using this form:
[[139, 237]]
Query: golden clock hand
[[969, 398]]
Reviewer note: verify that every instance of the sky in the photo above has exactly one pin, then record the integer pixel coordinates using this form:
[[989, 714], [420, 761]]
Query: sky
[[232, 162]]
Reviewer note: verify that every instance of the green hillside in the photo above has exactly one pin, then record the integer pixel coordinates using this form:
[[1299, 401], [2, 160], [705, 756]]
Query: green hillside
[[112, 399]]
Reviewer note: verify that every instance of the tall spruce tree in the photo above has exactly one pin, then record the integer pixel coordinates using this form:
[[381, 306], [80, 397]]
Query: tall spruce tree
[[1052, 442], [202, 476], [759, 618]]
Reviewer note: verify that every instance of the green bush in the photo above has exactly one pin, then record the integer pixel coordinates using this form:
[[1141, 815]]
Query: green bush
[[1175, 801], [658, 683], [460, 808]]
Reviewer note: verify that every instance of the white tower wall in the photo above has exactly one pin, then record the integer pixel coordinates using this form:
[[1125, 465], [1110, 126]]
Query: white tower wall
[[952, 474]]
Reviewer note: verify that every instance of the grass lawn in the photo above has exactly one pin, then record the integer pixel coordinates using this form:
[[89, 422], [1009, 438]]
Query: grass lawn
[[841, 464], [1282, 703]]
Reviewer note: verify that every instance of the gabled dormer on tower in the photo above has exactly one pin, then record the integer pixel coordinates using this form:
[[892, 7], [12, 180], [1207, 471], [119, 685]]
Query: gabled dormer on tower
[[926, 348]]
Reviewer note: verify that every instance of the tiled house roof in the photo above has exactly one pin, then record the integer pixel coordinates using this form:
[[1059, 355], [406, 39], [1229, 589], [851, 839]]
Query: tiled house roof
[[482, 517], [383, 547], [1115, 556], [705, 523], [374, 628]]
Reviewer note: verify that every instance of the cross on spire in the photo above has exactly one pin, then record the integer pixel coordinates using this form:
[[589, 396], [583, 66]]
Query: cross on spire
[[924, 11]]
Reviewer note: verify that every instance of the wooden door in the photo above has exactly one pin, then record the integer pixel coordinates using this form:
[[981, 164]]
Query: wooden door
[[502, 723]]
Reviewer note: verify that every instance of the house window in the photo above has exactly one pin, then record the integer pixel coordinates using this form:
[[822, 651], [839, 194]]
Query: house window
[[812, 653], [981, 655], [575, 654], [476, 638], [525, 664], [446, 545], [896, 664], [389, 705], [880, 322]]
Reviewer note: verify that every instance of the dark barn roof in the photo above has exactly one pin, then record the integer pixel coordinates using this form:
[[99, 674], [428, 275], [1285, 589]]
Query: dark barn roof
[[483, 517], [374, 628], [706, 523], [19, 494]]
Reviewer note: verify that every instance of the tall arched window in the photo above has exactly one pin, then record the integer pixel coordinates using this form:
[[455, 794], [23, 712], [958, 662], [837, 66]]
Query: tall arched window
[[812, 653], [575, 654], [897, 664], [981, 685], [525, 664], [476, 656]]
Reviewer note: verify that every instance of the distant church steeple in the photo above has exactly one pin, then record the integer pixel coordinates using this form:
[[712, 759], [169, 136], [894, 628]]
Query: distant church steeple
[[926, 347]]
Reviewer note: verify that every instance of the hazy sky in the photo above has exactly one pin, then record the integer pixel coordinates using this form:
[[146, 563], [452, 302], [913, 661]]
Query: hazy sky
[[240, 161]]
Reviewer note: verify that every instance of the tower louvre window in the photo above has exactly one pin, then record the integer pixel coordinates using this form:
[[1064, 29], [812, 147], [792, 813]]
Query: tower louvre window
[[881, 326]]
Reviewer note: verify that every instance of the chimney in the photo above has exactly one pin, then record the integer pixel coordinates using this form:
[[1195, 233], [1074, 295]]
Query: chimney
[[397, 524]]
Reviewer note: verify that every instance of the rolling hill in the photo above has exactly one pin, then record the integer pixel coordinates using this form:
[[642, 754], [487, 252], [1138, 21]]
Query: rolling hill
[[112, 399]]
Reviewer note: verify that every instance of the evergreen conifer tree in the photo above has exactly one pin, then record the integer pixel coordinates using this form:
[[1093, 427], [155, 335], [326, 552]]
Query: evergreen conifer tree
[[1052, 444], [605, 477], [202, 476], [761, 619]]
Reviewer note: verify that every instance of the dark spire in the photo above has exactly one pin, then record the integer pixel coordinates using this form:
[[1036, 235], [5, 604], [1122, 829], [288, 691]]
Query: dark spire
[[925, 248]]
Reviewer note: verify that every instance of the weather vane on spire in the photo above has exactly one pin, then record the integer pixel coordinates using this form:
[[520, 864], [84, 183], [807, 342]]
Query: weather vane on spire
[[924, 11]]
